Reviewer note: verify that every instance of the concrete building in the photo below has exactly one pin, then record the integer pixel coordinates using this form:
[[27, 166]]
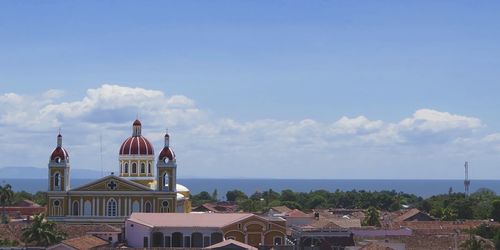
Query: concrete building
[[111, 199], [202, 229]]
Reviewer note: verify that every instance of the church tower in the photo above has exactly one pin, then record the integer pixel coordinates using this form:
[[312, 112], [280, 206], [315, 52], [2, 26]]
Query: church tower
[[136, 158], [166, 168], [59, 168]]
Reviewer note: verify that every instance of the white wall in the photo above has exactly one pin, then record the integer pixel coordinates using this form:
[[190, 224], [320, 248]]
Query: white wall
[[135, 235]]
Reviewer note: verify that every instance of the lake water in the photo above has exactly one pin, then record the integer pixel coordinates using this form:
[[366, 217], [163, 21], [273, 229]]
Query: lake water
[[424, 188]]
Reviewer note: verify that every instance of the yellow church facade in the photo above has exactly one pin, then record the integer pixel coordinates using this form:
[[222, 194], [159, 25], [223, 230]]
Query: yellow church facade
[[111, 199]]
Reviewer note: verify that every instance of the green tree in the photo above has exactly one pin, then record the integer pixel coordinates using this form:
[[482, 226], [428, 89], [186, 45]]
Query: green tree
[[495, 211], [6, 195], [234, 195], [250, 205], [288, 195], [269, 196], [496, 240], [473, 243], [372, 217], [215, 195], [256, 196], [448, 214], [42, 232]]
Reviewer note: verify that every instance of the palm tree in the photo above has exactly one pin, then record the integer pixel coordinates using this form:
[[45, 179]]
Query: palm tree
[[473, 243], [6, 195], [372, 217], [42, 231]]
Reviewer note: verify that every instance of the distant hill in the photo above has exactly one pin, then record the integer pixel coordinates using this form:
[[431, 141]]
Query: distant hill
[[41, 173]]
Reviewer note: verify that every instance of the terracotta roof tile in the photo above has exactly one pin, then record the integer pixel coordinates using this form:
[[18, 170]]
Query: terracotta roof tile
[[85, 242]]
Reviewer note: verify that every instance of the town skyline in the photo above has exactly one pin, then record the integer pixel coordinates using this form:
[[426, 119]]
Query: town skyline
[[332, 90]]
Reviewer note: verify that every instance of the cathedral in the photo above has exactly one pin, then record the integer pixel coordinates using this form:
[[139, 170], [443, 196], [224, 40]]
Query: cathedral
[[111, 199]]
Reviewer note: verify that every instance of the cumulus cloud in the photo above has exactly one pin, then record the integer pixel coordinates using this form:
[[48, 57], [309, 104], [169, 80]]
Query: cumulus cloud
[[220, 143]]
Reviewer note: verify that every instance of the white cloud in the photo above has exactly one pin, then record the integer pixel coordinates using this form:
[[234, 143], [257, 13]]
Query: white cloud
[[436, 121], [210, 145]]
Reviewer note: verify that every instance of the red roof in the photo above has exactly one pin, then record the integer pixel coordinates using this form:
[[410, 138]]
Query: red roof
[[59, 152], [136, 145], [167, 152]]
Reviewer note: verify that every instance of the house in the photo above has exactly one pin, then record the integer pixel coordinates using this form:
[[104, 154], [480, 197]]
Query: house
[[24, 209], [106, 232], [182, 230], [327, 236], [219, 207], [413, 215], [80, 243]]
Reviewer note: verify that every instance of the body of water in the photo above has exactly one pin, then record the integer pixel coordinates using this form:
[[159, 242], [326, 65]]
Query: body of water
[[424, 188]]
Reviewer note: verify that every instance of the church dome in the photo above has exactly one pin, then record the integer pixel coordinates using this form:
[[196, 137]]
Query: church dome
[[59, 153], [136, 144], [167, 152]]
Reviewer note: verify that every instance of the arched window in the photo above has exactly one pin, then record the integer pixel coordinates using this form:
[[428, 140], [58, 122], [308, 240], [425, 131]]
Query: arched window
[[87, 208], [143, 168], [147, 207], [135, 207], [134, 168], [166, 180], [57, 181], [126, 168], [149, 168], [76, 208], [197, 240], [111, 207], [58, 160]]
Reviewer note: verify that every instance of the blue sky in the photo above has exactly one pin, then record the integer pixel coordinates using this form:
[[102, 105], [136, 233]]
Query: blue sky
[[266, 66]]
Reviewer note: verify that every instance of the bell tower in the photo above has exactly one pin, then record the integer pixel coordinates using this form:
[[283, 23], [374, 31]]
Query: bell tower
[[59, 168], [166, 168]]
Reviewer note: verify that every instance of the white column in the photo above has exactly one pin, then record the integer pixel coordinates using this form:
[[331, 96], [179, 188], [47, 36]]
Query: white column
[[119, 208], [81, 206], [69, 206], [129, 167], [125, 206]]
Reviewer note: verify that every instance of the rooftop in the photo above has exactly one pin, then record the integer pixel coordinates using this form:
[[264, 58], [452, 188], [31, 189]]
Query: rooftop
[[216, 220]]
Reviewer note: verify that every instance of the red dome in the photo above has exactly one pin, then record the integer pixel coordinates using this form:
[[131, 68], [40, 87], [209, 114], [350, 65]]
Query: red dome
[[60, 153], [167, 153], [136, 145]]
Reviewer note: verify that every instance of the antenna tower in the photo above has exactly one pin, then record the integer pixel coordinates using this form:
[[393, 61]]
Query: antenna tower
[[466, 181]]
